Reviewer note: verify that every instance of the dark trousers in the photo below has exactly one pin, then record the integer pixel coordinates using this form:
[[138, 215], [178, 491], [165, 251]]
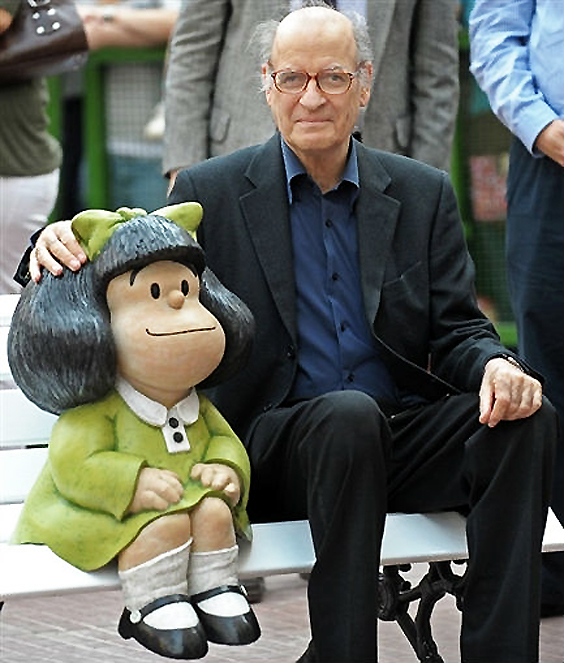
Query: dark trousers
[[338, 461], [535, 268]]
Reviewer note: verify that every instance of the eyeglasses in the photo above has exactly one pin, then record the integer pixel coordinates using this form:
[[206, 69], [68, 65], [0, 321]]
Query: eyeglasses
[[328, 81]]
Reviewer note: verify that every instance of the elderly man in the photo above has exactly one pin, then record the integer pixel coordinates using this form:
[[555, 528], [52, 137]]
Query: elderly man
[[375, 383]]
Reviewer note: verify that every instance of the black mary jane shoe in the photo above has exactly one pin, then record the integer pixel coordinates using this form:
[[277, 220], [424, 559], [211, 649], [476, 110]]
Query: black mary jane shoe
[[239, 629], [183, 643]]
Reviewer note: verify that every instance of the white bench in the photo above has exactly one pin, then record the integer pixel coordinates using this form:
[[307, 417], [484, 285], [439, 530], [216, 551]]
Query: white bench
[[277, 548], [7, 305]]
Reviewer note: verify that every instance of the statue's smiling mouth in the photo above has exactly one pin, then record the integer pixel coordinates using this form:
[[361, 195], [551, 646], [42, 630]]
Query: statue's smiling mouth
[[178, 333]]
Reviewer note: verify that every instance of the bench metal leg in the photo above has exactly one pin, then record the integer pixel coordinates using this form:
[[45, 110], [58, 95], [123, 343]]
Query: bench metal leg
[[395, 595], [255, 589]]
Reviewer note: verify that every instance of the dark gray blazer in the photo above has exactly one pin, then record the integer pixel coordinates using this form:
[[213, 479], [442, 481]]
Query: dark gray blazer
[[417, 276]]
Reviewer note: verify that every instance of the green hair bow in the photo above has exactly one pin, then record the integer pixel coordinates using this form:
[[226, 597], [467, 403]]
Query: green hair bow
[[94, 227]]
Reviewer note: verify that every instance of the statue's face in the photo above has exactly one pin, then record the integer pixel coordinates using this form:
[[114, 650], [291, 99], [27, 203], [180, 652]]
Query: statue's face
[[166, 340]]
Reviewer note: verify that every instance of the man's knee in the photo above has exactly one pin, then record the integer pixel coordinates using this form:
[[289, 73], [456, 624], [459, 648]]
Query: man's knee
[[348, 425], [546, 426], [528, 445]]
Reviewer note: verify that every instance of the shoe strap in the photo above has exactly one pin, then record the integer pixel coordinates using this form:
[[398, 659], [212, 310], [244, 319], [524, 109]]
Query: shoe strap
[[135, 616], [216, 591]]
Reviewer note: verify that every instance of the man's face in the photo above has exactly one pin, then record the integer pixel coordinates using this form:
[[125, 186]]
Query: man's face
[[312, 122]]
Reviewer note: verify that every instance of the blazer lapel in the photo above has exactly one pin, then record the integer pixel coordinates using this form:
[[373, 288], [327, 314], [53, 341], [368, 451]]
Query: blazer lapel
[[377, 216], [266, 213]]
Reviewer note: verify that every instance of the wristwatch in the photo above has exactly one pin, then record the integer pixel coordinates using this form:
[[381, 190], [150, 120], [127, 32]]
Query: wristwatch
[[109, 14], [513, 361]]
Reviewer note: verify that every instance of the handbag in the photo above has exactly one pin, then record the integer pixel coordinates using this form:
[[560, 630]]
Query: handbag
[[46, 37]]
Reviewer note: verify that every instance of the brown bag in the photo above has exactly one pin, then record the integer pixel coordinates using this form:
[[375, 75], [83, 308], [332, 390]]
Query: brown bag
[[46, 37]]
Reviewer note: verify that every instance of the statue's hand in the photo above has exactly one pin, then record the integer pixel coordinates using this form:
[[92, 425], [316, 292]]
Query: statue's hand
[[219, 477], [156, 489]]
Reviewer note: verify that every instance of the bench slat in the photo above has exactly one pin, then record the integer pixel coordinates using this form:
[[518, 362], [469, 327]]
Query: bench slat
[[277, 548], [22, 423], [19, 468], [5, 373], [8, 303]]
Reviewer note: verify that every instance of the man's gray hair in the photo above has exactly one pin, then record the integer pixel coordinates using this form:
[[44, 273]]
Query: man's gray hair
[[265, 33]]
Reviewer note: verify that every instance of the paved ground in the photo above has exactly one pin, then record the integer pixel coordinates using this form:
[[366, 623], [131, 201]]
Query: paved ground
[[82, 628]]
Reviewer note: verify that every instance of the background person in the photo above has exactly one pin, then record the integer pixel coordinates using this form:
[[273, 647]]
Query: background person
[[29, 163], [132, 92], [516, 58]]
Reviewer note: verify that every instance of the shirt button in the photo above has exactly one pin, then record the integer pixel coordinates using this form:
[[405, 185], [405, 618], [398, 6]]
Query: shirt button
[[343, 326], [177, 437], [328, 223], [334, 276], [350, 377], [173, 422]]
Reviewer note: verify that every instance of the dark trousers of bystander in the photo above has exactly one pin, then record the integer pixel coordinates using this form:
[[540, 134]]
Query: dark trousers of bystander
[[535, 269]]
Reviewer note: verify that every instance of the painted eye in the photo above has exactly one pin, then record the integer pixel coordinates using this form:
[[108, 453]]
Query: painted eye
[[155, 290], [184, 287]]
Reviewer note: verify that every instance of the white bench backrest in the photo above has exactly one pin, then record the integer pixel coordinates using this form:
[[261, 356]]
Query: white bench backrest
[[24, 433], [22, 424], [7, 306], [19, 469]]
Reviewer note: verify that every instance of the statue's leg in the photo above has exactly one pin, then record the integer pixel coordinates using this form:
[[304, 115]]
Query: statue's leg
[[216, 594]]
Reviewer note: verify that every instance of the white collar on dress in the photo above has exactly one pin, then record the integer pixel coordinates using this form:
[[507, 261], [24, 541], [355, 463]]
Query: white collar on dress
[[185, 411]]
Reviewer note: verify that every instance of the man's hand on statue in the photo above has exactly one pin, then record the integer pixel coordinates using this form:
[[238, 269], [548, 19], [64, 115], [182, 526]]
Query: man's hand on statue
[[55, 247], [219, 477], [156, 489], [507, 393]]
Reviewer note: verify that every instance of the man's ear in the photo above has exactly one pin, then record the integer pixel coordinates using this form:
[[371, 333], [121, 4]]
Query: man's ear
[[367, 86], [266, 82]]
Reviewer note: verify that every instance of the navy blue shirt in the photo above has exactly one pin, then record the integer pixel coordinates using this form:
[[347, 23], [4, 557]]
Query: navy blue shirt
[[336, 347]]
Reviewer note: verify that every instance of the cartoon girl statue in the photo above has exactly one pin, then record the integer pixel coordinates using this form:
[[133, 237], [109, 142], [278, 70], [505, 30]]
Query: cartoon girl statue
[[141, 467]]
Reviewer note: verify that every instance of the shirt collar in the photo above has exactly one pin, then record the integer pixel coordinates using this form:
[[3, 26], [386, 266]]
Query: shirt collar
[[294, 167], [156, 414]]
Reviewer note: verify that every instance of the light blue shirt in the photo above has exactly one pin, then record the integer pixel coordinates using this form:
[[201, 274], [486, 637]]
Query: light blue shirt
[[517, 57]]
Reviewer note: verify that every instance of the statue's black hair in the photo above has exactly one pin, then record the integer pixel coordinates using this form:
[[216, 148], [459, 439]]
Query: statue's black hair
[[60, 346]]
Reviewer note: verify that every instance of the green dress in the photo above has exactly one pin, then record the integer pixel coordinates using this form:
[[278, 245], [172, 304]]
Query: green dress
[[79, 502]]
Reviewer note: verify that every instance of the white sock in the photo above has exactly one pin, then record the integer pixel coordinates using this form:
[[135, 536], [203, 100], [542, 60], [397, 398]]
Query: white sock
[[160, 576], [208, 570]]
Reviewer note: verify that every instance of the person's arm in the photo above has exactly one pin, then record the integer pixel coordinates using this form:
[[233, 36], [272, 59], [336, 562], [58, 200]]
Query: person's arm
[[500, 62], [466, 351], [83, 444], [434, 87], [112, 25], [195, 51]]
